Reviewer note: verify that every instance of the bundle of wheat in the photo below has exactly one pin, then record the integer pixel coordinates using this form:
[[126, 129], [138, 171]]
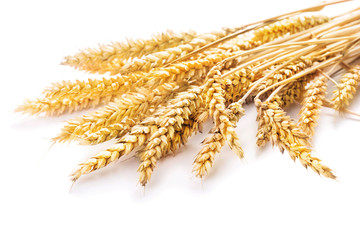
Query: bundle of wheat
[[164, 89]]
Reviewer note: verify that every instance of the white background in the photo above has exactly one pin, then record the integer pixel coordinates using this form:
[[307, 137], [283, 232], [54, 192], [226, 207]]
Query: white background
[[268, 197]]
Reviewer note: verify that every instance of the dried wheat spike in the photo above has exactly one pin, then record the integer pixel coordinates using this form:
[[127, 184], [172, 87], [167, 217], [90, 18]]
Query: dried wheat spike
[[115, 130], [137, 136], [130, 106], [290, 25], [137, 102], [73, 96], [113, 127], [204, 159], [272, 31], [284, 98], [236, 84], [288, 136], [158, 59], [177, 111], [189, 127], [181, 136], [211, 145], [140, 133], [286, 72], [99, 60], [127, 106], [311, 105], [72, 103], [346, 89], [215, 100], [242, 42], [263, 132], [292, 92], [288, 95]]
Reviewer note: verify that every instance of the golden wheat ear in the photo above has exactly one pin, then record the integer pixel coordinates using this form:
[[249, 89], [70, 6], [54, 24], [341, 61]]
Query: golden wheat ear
[[346, 89], [288, 136], [311, 105], [176, 114], [101, 59], [71, 96]]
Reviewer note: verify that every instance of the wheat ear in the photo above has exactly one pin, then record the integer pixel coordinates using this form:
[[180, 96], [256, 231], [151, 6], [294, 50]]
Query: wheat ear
[[137, 136], [73, 96], [99, 59], [137, 102], [286, 72], [311, 105], [346, 89], [113, 112], [211, 145], [189, 127], [284, 98], [116, 127], [158, 59], [271, 32], [242, 42], [178, 110], [216, 102], [288, 136], [236, 85]]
